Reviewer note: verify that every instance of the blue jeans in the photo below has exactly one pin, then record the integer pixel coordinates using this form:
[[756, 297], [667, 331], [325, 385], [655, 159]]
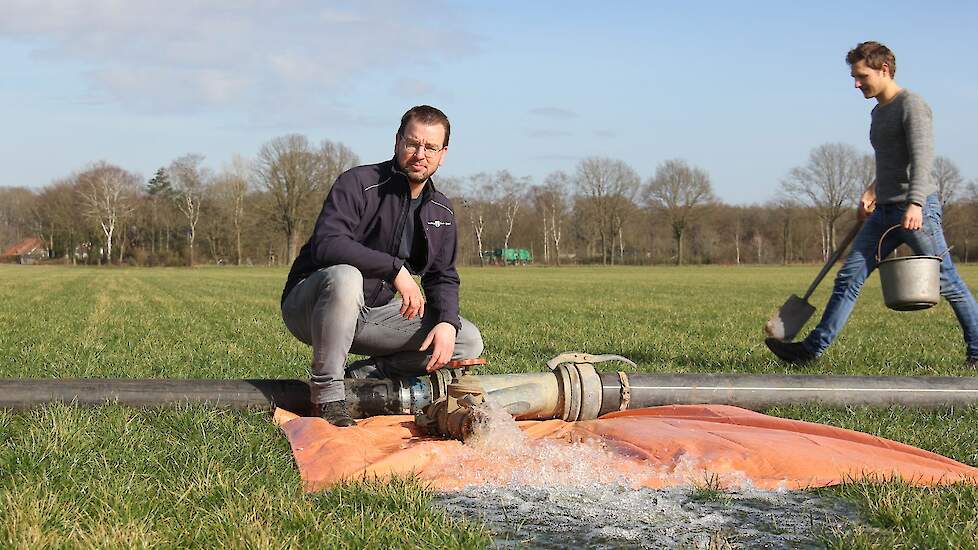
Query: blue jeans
[[861, 261]]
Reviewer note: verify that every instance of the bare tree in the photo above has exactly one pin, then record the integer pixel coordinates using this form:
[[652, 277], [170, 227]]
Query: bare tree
[[785, 209], [46, 212], [607, 185], [557, 190], [57, 206], [830, 183], [678, 189], [190, 181], [478, 201], [624, 211], [948, 179], [550, 202], [107, 195], [15, 219], [866, 170], [541, 205], [231, 188], [297, 176], [969, 206], [511, 193]]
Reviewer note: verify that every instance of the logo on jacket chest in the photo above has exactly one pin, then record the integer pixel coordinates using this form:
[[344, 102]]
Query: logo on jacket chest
[[439, 223]]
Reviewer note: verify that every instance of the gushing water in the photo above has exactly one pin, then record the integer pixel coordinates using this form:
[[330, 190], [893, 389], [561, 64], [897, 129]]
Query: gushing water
[[554, 494], [542, 462], [494, 429]]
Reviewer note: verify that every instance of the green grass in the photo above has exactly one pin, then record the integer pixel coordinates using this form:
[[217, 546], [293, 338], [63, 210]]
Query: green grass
[[709, 489], [118, 477]]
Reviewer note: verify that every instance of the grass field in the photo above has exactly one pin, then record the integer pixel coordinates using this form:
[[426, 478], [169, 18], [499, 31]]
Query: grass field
[[119, 477]]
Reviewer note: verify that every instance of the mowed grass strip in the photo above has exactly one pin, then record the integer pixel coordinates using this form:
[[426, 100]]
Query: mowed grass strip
[[191, 478], [114, 476]]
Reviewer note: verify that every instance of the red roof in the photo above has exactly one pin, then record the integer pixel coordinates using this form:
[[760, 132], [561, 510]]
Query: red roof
[[24, 247]]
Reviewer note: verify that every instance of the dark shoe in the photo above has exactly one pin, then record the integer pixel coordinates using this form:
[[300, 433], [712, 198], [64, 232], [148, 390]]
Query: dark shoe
[[790, 352], [972, 363], [336, 413]]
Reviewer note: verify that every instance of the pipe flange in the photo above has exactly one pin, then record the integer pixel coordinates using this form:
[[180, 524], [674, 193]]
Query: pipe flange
[[421, 394], [404, 395], [590, 391], [564, 392], [573, 393]]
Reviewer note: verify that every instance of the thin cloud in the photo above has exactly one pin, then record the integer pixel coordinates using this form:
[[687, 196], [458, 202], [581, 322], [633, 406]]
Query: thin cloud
[[412, 88], [555, 157], [185, 56], [554, 112], [548, 133]]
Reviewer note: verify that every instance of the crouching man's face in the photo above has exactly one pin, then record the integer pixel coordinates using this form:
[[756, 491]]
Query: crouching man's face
[[420, 150]]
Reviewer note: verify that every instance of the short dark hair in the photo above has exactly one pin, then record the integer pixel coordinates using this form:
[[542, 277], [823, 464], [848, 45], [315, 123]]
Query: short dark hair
[[426, 114], [874, 54]]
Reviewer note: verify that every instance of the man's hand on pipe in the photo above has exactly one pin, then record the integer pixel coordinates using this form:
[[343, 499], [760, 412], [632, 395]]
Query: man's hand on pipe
[[442, 341]]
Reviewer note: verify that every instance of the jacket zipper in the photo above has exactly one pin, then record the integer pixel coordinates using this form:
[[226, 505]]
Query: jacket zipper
[[395, 244], [427, 241]]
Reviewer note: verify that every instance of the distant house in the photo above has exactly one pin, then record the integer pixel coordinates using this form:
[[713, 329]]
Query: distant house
[[26, 251]]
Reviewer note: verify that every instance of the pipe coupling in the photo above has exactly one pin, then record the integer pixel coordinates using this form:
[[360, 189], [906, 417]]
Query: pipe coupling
[[580, 391]]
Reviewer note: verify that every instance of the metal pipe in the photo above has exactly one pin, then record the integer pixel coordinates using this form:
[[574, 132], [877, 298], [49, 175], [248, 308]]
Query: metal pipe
[[370, 397], [554, 393], [25, 393], [759, 391], [526, 396]]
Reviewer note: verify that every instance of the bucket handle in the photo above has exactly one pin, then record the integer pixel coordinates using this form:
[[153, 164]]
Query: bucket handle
[[879, 245]]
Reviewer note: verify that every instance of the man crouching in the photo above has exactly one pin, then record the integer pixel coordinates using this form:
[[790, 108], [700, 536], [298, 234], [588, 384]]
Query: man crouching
[[380, 224]]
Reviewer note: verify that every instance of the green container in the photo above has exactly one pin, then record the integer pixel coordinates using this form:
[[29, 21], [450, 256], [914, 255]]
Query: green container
[[509, 256]]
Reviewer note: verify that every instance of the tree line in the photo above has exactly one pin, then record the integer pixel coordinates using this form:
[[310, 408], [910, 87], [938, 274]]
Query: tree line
[[260, 211]]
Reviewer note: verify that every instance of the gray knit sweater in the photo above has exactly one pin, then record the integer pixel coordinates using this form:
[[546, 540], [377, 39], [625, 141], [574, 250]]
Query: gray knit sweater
[[902, 135]]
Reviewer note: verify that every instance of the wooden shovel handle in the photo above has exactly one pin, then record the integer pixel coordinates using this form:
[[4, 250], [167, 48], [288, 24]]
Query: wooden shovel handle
[[836, 254]]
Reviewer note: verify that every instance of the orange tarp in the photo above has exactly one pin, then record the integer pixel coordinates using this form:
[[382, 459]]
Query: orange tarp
[[654, 447]]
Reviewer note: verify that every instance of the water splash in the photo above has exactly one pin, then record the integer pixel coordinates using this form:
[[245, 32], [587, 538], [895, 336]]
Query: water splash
[[541, 462], [495, 429], [569, 461], [555, 493]]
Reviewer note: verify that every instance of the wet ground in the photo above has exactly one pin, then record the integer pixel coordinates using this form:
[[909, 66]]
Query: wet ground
[[559, 517], [570, 496]]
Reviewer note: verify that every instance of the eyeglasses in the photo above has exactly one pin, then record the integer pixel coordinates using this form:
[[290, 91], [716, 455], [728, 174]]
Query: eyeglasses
[[411, 147]]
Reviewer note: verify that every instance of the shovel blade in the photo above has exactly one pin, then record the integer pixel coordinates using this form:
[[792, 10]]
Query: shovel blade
[[785, 324]]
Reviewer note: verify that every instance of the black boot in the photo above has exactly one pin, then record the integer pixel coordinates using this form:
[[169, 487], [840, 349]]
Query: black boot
[[336, 413], [790, 352]]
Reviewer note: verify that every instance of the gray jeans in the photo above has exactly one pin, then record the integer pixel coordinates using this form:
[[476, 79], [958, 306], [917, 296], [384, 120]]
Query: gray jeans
[[326, 310]]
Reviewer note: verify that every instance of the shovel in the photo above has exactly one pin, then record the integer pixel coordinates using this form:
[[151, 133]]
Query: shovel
[[785, 324]]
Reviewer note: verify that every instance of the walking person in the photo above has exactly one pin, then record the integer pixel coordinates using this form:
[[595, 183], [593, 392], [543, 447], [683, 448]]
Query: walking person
[[903, 193], [380, 224]]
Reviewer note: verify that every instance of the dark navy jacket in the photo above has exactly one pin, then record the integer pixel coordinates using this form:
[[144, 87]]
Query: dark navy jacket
[[361, 224]]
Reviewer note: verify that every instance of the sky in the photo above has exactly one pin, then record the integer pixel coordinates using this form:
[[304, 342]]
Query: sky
[[744, 90]]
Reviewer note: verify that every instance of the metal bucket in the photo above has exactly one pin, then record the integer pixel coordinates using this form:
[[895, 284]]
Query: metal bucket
[[909, 282]]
